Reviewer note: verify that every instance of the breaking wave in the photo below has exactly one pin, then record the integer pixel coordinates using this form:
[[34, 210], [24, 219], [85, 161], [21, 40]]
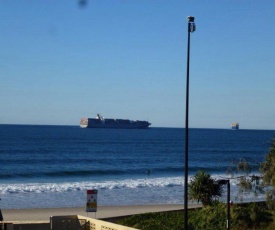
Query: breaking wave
[[80, 186]]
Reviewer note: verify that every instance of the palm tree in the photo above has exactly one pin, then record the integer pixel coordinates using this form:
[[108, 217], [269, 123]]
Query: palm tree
[[203, 188]]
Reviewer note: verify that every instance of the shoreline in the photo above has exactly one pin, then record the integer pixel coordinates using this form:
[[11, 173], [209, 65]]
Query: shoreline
[[44, 214]]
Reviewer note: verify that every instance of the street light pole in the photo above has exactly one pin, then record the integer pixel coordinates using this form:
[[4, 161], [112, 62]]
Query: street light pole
[[223, 182], [228, 205], [1, 216], [191, 28]]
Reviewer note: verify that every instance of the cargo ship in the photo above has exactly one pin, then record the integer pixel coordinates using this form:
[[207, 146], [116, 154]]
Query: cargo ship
[[235, 126], [101, 122]]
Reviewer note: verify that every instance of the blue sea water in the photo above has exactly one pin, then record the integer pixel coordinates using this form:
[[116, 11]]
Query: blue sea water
[[53, 166]]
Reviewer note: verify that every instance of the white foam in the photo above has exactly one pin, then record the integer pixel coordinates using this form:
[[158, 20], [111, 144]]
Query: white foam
[[121, 192], [79, 186], [175, 183]]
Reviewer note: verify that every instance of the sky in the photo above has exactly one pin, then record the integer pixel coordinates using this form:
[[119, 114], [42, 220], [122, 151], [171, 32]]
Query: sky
[[61, 61]]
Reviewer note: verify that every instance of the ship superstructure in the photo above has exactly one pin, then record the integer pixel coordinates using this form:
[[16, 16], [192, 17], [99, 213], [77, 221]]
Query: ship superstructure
[[101, 122], [235, 125]]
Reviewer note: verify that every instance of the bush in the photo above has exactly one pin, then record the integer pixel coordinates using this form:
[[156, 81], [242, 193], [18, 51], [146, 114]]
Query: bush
[[153, 221], [209, 217], [251, 215], [243, 216]]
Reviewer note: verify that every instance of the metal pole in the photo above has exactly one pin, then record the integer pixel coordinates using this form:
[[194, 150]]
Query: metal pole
[[1, 216], [228, 204], [223, 182], [191, 28], [186, 136]]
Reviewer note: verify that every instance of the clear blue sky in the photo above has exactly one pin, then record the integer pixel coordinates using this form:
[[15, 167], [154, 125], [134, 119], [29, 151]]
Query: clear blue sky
[[127, 59]]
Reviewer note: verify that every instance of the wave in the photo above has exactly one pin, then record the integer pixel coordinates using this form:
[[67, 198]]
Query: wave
[[80, 186], [61, 174], [36, 172], [161, 182]]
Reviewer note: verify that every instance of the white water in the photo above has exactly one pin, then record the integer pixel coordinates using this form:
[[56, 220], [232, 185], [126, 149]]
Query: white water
[[163, 190]]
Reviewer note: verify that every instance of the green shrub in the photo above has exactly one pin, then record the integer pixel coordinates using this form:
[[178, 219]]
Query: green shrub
[[153, 221], [251, 216], [209, 217], [243, 216]]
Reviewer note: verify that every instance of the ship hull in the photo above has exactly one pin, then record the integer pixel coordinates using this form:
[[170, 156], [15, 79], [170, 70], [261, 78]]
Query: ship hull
[[113, 124]]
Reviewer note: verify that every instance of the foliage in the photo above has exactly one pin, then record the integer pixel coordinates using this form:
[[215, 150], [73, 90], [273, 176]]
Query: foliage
[[209, 217], [244, 216], [270, 199], [203, 188], [257, 184], [251, 216], [245, 181], [267, 168], [243, 166], [153, 221]]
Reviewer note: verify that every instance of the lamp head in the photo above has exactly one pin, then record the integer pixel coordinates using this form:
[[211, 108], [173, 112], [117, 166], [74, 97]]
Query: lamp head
[[191, 24], [191, 19], [221, 182]]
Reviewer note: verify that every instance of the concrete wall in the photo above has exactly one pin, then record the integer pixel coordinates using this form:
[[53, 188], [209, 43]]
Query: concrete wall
[[83, 223], [25, 226], [31, 226], [74, 222]]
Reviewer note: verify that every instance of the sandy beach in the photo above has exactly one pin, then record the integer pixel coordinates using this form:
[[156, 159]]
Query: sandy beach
[[102, 212]]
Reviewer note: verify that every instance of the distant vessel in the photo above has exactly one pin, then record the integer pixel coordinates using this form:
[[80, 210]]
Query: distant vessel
[[235, 126], [101, 122]]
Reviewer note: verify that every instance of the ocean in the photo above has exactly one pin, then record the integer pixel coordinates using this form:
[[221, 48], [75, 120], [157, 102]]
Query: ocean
[[53, 166]]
